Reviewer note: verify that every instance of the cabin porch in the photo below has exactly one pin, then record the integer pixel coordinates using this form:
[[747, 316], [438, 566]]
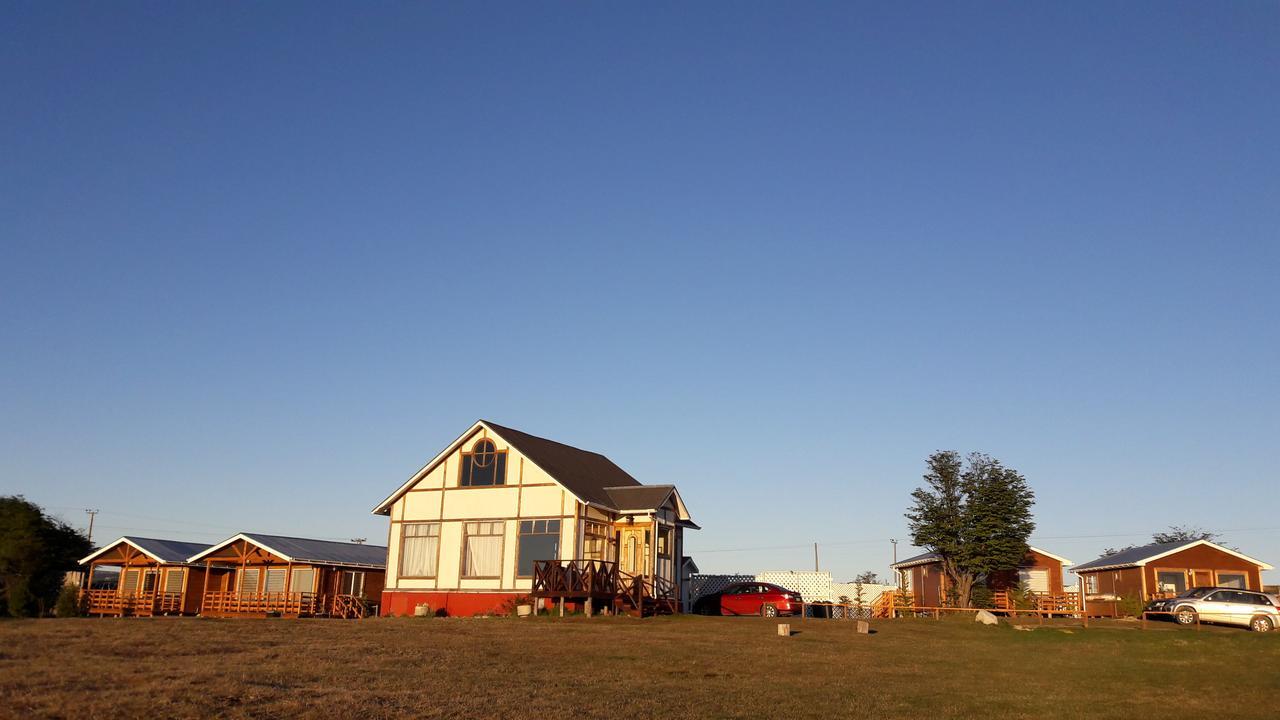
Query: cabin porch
[[599, 585]]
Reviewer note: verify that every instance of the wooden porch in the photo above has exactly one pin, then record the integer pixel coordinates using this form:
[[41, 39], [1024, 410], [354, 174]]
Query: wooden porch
[[112, 602], [224, 603], [600, 585]]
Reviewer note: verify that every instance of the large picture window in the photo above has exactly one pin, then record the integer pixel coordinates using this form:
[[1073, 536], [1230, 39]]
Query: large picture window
[[303, 580], [482, 550], [539, 540], [418, 545], [1171, 581], [1231, 580], [484, 465]]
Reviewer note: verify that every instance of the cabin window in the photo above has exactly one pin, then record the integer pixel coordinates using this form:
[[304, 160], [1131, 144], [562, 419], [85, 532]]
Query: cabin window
[[1171, 581], [275, 580], [482, 550], [352, 583], [539, 540], [129, 582], [419, 543], [149, 581], [1034, 579], [249, 581], [1091, 584], [303, 580], [595, 540], [484, 465], [1232, 580], [664, 542], [173, 581]]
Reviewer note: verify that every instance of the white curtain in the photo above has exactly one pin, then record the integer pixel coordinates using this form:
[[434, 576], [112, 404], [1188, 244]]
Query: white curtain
[[483, 552], [418, 550]]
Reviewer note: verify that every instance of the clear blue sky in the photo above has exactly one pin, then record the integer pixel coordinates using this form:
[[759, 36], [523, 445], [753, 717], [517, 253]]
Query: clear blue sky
[[261, 261]]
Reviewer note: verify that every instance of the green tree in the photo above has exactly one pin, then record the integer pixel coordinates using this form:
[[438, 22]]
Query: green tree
[[36, 551], [868, 577], [975, 514]]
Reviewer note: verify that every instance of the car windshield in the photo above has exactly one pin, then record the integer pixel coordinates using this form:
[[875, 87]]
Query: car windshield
[[1196, 593]]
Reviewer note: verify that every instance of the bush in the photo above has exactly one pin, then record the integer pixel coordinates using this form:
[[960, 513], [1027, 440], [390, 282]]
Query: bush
[[1130, 606], [69, 602], [982, 597]]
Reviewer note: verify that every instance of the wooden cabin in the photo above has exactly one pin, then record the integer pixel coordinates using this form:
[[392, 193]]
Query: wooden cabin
[[1163, 570], [257, 575], [137, 576], [1040, 573], [500, 514]]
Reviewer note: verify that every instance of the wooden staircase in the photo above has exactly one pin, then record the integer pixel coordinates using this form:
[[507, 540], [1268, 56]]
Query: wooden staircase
[[641, 596]]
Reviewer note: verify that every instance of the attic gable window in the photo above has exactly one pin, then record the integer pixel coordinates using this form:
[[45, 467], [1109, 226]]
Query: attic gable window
[[484, 465]]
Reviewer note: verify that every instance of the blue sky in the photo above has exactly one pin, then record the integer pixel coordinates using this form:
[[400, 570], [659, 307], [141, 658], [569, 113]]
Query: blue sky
[[259, 262]]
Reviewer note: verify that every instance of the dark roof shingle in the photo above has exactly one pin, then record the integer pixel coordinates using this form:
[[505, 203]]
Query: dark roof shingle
[[1133, 556], [591, 476], [323, 552]]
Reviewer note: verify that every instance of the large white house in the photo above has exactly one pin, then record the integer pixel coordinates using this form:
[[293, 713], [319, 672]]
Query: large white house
[[500, 514]]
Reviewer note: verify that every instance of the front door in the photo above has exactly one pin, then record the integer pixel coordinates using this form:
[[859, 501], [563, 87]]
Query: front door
[[631, 550]]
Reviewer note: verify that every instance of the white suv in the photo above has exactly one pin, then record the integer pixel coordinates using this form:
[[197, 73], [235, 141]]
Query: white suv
[[1231, 606]]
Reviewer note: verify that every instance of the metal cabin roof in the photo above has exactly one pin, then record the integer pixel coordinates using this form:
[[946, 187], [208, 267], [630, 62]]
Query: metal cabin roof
[[165, 551], [921, 559], [1134, 557], [322, 551]]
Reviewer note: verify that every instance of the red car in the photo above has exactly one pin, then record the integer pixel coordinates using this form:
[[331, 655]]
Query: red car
[[750, 598]]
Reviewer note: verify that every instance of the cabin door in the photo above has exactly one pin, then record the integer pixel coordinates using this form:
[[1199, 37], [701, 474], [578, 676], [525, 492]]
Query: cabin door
[[631, 551]]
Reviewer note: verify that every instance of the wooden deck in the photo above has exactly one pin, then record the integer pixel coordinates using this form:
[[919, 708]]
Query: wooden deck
[[111, 602], [599, 584], [282, 604]]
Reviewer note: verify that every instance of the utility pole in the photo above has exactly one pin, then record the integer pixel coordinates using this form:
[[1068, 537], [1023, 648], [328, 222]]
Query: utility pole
[[894, 541], [815, 557], [92, 514]]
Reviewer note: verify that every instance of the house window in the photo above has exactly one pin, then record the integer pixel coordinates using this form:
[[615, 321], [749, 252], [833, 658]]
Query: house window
[[249, 581], [1035, 580], [539, 540], [1171, 581], [1232, 580], [484, 465], [595, 540], [275, 580], [664, 543], [418, 545], [352, 583], [173, 581], [129, 582], [482, 550], [303, 580], [1091, 584]]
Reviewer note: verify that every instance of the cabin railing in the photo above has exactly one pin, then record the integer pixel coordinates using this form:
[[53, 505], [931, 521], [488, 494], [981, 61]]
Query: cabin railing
[[574, 578], [301, 604], [1066, 603], [112, 602]]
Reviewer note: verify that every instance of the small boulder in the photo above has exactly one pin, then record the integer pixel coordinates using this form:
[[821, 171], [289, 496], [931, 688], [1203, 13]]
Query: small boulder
[[986, 618]]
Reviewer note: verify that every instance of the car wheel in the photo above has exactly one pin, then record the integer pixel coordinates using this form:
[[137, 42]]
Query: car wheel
[[769, 611], [1261, 623], [1185, 616]]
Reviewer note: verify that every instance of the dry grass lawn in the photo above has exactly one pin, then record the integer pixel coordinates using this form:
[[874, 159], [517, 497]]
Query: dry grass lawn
[[626, 668]]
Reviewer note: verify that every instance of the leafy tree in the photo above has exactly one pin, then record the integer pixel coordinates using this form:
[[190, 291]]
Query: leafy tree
[[36, 551], [1182, 533], [975, 514], [868, 577]]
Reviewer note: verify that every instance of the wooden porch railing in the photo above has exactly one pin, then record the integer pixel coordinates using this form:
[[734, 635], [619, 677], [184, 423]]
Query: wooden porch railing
[[575, 578], [298, 604], [1038, 601], [111, 602]]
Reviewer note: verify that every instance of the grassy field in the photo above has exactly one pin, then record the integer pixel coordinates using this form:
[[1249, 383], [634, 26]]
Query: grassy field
[[627, 668]]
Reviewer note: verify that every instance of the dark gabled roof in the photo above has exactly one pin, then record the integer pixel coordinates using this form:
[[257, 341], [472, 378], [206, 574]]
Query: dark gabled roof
[[306, 550], [588, 475], [921, 559], [639, 497], [1132, 556], [165, 551], [171, 551], [1142, 555], [322, 552]]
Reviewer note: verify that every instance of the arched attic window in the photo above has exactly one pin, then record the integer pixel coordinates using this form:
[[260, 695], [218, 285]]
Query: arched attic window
[[484, 465]]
